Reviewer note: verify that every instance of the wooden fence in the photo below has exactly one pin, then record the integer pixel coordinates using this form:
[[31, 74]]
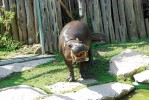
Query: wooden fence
[[24, 27], [119, 20]]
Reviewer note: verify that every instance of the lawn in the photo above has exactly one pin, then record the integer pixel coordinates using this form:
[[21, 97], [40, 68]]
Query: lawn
[[56, 71]]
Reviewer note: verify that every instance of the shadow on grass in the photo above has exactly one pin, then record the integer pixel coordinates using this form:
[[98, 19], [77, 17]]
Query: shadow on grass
[[99, 70]]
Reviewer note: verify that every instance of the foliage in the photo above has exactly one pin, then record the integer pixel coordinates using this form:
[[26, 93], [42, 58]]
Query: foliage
[[6, 40], [8, 43]]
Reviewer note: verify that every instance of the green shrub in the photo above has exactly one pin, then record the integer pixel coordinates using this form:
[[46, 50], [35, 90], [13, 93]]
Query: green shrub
[[6, 41]]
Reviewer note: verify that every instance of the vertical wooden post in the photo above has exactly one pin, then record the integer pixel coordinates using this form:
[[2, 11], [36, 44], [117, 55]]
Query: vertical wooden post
[[21, 20], [36, 22], [95, 14], [1, 3], [30, 21], [82, 10], [40, 28], [139, 18], [116, 20], [6, 5], [123, 27], [105, 20], [147, 26], [14, 25], [110, 21], [131, 20]]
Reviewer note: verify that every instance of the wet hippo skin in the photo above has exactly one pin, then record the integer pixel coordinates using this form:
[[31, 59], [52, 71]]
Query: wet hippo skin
[[74, 45]]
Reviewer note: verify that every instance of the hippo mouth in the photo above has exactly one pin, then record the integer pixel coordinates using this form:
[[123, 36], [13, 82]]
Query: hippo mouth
[[80, 57]]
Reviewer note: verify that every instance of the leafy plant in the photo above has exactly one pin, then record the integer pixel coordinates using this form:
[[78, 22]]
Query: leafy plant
[[6, 40]]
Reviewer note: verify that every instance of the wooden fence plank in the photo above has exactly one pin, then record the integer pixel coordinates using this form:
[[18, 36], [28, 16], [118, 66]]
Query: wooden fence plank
[[82, 10], [110, 21], [51, 26], [21, 20], [123, 27], [116, 20], [96, 16], [105, 21], [14, 26], [147, 26], [6, 3], [1, 3], [30, 21], [36, 22], [139, 18], [131, 20]]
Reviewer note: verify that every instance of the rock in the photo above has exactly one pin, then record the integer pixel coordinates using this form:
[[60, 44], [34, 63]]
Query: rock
[[6, 70], [109, 91], [142, 77], [21, 92], [127, 62], [61, 87]]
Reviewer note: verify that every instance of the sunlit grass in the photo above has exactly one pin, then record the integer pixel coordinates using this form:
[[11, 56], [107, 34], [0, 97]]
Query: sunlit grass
[[56, 71]]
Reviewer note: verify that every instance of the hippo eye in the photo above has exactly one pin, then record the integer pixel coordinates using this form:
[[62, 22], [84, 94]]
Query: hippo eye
[[70, 45]]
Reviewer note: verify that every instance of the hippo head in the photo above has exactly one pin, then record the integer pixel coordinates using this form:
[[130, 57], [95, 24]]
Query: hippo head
[[78, 51]]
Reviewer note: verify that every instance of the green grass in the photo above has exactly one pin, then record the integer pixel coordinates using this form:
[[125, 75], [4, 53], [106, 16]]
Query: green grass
[[56, 71]]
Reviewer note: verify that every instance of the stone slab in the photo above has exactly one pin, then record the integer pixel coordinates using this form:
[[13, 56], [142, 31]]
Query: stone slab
[[127, 62], [23, 58], [61, 87], [142, 77], [109, 91], [21, 92], [6, 70]]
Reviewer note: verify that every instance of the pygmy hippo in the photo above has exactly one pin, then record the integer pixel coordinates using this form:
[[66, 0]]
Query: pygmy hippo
[[74, 45]]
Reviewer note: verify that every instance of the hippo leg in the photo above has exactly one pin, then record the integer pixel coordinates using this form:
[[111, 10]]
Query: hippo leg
[[71, 71], [82, 71], [90, 57]]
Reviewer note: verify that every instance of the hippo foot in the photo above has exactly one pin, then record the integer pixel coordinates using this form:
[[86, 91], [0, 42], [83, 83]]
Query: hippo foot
[[70, 79], [91, 63], [82, 75]]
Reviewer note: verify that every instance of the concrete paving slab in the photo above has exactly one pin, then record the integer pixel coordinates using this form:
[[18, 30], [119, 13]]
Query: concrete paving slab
[[127, 62], [6, 70], [61, 87], [109, 91], [21, 92], [142, 77], [23, 58]]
